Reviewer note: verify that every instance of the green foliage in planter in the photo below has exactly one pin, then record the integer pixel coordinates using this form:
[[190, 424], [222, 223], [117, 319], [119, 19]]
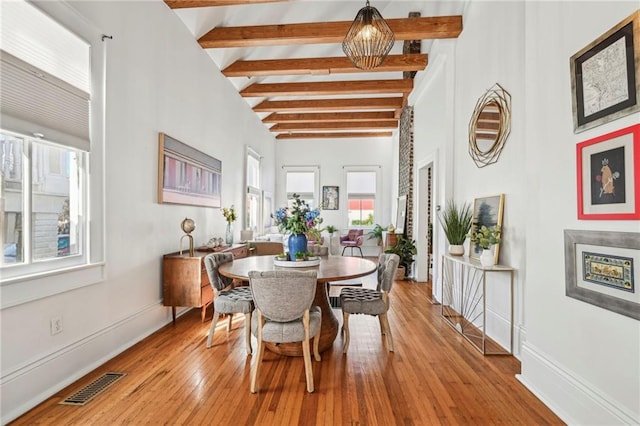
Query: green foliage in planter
[[456, 222], [486, 237], [405, 249], [376, 233], [331, 229]]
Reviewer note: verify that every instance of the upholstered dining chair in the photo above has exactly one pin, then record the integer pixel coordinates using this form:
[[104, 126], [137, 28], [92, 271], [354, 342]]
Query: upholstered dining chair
[[228, 299], [353, 239], [284, 315], [359, 300]]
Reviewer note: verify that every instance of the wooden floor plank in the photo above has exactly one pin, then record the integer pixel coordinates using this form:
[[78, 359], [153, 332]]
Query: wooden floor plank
[[434, 377]]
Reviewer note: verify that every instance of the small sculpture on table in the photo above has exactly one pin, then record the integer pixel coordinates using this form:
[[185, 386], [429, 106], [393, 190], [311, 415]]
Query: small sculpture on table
[[188, 226]]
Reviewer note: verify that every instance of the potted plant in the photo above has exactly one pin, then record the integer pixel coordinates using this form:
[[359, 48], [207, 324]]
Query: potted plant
[[376, 233], [331, 230], [405, 249], [456, 223], [485, 237]]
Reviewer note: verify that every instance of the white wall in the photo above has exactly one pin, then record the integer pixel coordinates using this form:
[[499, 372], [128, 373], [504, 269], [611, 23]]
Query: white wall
[[583, 360], [331, 156], [580, 359], [158, 80]]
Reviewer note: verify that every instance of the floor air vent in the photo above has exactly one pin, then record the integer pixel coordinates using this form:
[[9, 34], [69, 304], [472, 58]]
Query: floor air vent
[[93, 389]]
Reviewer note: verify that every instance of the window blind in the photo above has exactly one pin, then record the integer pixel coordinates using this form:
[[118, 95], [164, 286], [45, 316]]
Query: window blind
[[44, 77]]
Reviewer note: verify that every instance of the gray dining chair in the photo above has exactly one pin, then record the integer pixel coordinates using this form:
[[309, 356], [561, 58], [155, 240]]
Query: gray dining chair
[[359, 300], [284, 314], [228, 299]]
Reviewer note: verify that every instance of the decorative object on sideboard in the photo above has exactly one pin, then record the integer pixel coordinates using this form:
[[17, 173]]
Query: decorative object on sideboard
[[230, 216], [490, 126], [600, 269], [605, 76], [456, 223], [486, 237], [608, 175], [488, 212], [188, 226]]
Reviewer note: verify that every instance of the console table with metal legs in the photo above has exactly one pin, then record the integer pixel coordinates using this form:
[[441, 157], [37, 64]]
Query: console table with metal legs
[[464, 305]]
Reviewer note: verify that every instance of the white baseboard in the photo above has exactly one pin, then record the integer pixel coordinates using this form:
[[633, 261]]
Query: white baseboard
[[29, 384], [574, 400]]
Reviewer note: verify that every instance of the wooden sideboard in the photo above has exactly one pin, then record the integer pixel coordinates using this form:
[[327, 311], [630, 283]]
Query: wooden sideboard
[[185, 281]]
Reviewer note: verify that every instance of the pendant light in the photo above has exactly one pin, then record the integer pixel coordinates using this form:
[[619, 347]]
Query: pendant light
[[369, 39]]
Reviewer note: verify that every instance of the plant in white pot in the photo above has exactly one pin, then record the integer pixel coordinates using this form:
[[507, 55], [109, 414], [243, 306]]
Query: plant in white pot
[[456, 223], [485, 237]]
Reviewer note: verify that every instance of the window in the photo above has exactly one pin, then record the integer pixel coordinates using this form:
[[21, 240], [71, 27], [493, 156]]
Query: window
[[304, 182], [254, 192], [361, 197], [52, 82], [53, 207]]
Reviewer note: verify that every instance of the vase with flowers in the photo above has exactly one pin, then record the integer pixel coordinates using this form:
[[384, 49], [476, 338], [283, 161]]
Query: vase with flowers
[[230, 216], [300, 221], [485, 237]]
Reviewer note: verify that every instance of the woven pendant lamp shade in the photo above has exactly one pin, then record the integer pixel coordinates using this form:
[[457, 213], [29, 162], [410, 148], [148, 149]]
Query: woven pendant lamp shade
[[369, 39]]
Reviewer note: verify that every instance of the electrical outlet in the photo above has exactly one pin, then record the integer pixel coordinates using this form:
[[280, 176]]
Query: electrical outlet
[[56, 325]]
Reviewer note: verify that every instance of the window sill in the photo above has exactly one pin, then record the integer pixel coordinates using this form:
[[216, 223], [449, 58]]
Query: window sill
[[34, 287]]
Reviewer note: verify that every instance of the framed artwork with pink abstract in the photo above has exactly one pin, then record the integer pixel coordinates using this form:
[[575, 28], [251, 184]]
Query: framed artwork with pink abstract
[[186, 175]]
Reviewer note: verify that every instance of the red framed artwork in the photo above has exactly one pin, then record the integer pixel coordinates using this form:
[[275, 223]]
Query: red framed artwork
[[608, 172]]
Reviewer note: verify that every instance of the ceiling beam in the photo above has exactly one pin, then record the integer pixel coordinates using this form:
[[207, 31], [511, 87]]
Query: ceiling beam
[[334, 125], [179, 4], [335, 135], [321, 66], [327, 88], [350, 104], [327, 32], [346, 117]]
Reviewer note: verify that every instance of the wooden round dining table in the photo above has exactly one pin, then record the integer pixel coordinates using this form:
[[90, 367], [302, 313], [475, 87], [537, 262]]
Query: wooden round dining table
[[331, 268]]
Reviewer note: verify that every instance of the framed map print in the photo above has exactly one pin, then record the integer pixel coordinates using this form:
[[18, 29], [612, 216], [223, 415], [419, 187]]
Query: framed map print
[[605, 76]]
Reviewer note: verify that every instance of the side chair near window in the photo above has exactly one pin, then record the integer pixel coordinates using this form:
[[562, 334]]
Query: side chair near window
[[353, 239], [284, 314], [358, 300], [228, 299]]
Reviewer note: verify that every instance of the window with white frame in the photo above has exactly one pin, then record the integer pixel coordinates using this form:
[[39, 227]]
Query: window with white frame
[[47, 113], [302, 181], [254, 192], [361, 185]]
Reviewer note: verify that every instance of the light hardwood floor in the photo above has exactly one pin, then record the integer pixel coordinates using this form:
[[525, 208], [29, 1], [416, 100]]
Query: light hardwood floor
[[434, 377]]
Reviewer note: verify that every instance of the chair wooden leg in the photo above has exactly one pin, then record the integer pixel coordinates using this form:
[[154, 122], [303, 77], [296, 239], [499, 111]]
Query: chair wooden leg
[[256, 367], [247, 332], [385, 320], [382, 329], [306, 353], [345, 327], [229, 325], [258, 360], [316, 347], [212, 329], [308, 369]]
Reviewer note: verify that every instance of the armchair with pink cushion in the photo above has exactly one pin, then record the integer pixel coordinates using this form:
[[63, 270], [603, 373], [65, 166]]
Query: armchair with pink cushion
[[353, 239]]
